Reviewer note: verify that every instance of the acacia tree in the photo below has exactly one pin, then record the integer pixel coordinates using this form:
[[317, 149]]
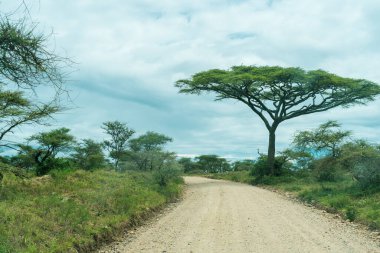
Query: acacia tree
[[147, 150], [120, 134], [212, 163], [149, 141], [88, 155], [46, 146], [25, 64], [25, 58], [327, 137], [277, 94], [187, 164], [16, 110]]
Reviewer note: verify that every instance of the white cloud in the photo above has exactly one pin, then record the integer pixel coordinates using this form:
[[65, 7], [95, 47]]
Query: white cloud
[[130, 53]]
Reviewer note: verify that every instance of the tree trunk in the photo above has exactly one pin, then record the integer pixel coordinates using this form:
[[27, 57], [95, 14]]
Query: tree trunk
[[272, 151], [116, 164]]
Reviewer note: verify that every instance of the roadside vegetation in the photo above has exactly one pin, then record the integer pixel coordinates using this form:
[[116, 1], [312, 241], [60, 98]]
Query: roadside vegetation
[[324, 167], [59, 193], [71, 211], [62, 195]]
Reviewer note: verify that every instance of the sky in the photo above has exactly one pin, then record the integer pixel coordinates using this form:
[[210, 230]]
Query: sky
[[129, 53]]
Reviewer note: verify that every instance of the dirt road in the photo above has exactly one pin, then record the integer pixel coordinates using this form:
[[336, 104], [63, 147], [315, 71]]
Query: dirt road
[[220, 216]]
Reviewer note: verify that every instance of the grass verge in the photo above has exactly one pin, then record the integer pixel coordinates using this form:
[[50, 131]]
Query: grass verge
[[74, 211], [343, 197]]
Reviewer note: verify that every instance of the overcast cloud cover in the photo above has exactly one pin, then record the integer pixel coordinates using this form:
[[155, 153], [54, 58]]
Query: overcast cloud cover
[[130, 53]]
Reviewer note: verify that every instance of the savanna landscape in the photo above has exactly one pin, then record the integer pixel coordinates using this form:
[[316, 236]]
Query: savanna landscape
[[239, 126]]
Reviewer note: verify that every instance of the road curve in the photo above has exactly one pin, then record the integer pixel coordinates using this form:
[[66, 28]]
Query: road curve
[[220, 216]]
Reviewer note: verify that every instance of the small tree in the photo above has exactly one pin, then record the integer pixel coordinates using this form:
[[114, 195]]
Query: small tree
[[323, 143], [326, 138], [149, 141], [299, 158], [363, 160], [119, 134], [47, 146], [187, 164], [169, 171], [147, 150], [243, 165], [88, 155], [212, 163], [278, 94]]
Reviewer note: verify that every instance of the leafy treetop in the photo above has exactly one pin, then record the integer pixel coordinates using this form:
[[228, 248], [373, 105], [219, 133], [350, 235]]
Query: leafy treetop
[[277, 94]]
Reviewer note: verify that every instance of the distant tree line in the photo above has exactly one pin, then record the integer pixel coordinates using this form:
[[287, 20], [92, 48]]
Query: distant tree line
[[213, 164], [326, 154], [59, 149]]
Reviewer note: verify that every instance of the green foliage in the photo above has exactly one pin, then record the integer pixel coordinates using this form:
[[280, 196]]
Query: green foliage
[[355, 151], [362, 159], [25, 64], [267, 84], [212, 164], [69, 210], [88, 155], [149, 141], [54, 141], [261, 169], [367, 172], [146, 152], [358, 157], [236, 176], [46, 146], [326, 169], [300, 159], [169, 173], [188, 165], [119, 134], [24, 158], [277, 94], [146, 160], [327, 138], [17, 110], [351, 213], [24, 56], [6, 170], [243, 165]]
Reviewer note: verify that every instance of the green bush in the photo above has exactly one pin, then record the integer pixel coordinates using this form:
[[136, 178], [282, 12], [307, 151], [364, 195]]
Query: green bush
[[351, 214], [167, 174], [326, 169], [354, 152], [52, 163], [367, 172], [261, 169], [69, 211], [338, 201], [270, 180]]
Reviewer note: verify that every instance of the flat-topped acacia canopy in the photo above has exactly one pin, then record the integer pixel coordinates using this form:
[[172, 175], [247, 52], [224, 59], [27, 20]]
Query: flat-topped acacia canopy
[[277, 94]]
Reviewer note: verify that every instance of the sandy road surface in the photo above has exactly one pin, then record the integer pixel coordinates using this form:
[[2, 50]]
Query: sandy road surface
[[220, 216]]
